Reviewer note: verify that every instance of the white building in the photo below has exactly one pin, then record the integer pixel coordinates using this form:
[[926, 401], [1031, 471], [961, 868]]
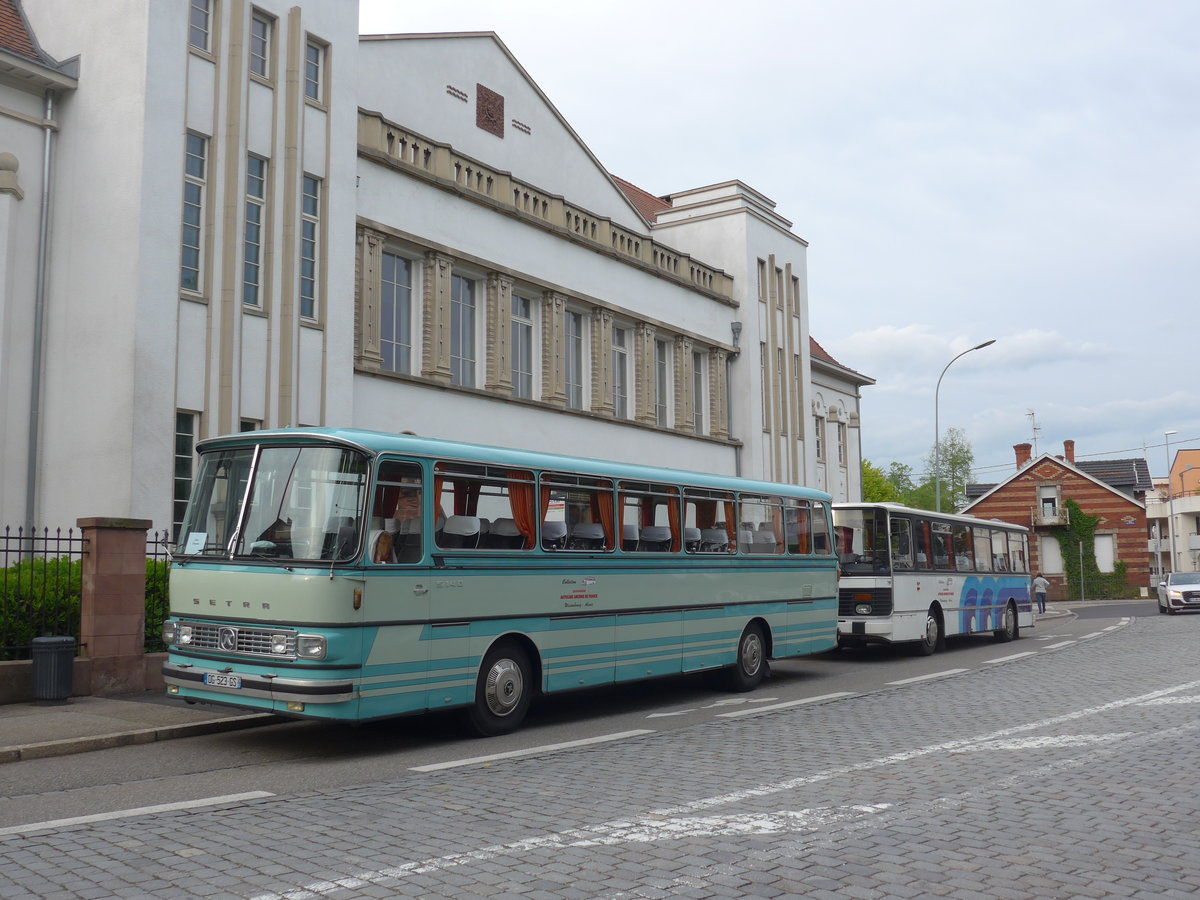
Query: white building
[[259, 219]]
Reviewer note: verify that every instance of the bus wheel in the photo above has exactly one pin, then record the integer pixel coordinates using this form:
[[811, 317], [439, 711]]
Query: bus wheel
[[747, 673], [932, 636], [502, 692], [1010, 630]]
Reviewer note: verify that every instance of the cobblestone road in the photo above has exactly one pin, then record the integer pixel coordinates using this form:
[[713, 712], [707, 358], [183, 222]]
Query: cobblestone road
[[1068, 774]]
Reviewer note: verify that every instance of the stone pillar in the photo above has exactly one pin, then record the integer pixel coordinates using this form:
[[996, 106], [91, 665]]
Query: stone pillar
[[684, 419], [499, 334], [718, 393], [643, 373], [435, 319], [554, 391], [366, 310], [602, 375], [113, 608]]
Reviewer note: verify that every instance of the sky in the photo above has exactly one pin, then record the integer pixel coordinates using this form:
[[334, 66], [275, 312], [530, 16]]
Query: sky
[[1023, 171]]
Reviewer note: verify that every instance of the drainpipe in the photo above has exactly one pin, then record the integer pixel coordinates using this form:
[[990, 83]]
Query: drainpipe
[[736, 328], [39, 311]]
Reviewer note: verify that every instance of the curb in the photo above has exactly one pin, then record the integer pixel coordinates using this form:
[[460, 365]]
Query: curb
[[68, 746]]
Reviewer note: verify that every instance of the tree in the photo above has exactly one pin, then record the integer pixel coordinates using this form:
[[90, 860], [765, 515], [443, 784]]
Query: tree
[[877, 487], [952, 462]]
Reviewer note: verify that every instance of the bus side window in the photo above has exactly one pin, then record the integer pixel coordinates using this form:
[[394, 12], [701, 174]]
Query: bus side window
[[902, 551], [820, 530], [396, 516], [799, 527]]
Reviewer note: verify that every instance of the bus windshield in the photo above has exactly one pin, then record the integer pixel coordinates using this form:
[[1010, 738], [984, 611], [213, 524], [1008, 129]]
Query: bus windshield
[[285, 503], [861, 536]]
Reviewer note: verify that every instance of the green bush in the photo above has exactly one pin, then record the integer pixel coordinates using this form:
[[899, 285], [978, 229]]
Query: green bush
[[38, 597]]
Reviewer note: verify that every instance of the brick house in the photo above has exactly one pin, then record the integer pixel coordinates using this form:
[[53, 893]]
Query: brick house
[[1036, 497]]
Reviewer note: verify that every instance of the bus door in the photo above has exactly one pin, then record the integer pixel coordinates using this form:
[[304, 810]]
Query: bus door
[[399, 638]]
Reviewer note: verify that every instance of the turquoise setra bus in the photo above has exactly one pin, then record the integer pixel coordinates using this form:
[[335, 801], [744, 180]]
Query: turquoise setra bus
[[354, 575]]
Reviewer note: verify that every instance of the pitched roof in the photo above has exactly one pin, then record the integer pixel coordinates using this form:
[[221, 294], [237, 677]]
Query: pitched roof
[[819, 354], [1126, 475], [22, 60], [645, 202], [1121, 483]]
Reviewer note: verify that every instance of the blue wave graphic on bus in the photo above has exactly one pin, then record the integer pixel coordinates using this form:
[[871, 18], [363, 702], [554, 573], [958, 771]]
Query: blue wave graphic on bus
[[983, 599]]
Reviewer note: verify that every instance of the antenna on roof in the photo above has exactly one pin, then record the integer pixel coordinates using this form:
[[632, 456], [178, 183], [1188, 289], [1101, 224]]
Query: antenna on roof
[[1037, 430]]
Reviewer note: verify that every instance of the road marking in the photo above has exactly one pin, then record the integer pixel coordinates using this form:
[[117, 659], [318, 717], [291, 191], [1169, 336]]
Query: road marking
[[666, 715], [1059, 645], [138, 811], [928, 677], [1039, 743], [593, 833], [530, 751], [753, 711], [1007, 658], [1094, 634]]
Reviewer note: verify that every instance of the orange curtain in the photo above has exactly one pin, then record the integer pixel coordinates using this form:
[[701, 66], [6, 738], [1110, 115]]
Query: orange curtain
[[706, 513], [520, 495], [602, 511], [676, 528], [802, 529], [731, 525], [777, 528]]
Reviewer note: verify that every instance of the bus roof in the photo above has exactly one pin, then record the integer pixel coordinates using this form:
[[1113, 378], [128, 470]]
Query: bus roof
[[415, 445], [950, 517]]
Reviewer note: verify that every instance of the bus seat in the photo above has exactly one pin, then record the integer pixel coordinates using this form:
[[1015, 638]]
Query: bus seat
[[745, 539], [691, 540], [554, 535], [503, 535], [764, 542], [655, 539], [587, 536], [460, 532], [714, 540], [629, 538]]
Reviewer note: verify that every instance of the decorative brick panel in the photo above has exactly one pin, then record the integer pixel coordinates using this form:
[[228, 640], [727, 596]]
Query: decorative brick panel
[[489, 110]]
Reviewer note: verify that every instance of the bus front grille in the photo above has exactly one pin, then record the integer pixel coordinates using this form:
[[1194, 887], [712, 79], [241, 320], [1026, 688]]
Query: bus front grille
[[239, 639], [880, 599]]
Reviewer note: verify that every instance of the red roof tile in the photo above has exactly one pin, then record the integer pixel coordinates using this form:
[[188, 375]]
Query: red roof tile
[[645, 202], [14, 34]]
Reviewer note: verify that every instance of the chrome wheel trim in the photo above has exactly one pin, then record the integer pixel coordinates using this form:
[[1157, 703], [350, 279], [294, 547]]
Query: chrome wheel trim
[[751, 658], [504, 687]]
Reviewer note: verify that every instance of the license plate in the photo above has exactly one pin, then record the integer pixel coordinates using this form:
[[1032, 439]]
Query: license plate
[[219, 679]]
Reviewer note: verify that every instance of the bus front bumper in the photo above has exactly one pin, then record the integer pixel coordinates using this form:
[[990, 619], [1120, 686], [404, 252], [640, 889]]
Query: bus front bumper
[[850, 630], [258, 686]]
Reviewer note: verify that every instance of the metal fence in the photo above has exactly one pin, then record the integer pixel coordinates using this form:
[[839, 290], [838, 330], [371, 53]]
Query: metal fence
[[41, 587], [40, 584]]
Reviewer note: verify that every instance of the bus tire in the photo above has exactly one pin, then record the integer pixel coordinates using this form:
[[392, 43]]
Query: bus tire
[[931, 638], [747, 672], [503, 691], [1011, 629]]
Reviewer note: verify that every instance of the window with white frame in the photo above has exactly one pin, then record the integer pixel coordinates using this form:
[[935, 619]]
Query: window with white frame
[[819, 437], [662, 383], [252, 236], [199, 24], [310, 232], [185, 443], [192, 240], [620, 372], [1050, 555], [573, 359], [462, 331], [699, 391], [842, 449], [314, 71], [522, 347], [262, 28], [395, 313], [1106, 552]]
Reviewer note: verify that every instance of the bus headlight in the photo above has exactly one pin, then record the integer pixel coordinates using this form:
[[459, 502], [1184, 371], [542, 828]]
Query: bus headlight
[[183, 634], [168, 632], [863, 609], [279, 643], [310, 646]]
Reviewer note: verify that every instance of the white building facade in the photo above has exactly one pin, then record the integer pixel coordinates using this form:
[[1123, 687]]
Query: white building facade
[[258, 219]]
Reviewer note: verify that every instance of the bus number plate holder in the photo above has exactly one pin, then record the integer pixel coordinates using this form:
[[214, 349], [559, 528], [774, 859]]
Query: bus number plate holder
[[220, 679]]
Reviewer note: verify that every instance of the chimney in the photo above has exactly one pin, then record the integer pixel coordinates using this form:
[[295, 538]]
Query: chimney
[[1069, 449], [1024, 454]]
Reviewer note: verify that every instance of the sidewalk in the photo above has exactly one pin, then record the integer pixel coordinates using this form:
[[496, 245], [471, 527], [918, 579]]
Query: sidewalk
[[82, 724]]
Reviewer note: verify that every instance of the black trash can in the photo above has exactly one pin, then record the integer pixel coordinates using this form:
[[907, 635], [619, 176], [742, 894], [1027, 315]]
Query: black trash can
[[53, 668]]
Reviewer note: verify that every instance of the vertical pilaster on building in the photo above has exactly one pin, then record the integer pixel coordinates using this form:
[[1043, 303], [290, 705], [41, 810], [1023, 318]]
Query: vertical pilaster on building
[[602, 374], [498, 377], [685, 418], [366, 307], [643, 373], [435, 319], [554, 390], [718, 393]]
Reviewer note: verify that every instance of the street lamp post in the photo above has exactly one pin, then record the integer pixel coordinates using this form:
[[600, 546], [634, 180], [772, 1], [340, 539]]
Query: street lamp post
[[1170, 507], [937, 432]]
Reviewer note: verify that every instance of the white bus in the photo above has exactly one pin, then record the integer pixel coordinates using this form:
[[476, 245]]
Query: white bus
[[912, 575]]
